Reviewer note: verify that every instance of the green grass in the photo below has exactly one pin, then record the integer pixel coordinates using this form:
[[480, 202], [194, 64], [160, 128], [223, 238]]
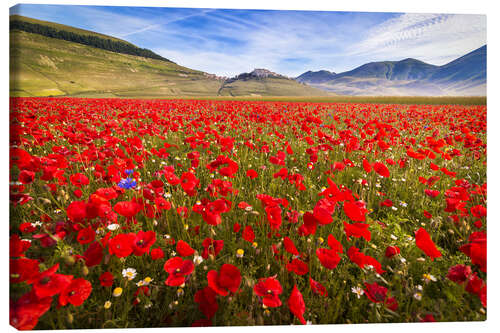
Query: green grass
[[43, 66]]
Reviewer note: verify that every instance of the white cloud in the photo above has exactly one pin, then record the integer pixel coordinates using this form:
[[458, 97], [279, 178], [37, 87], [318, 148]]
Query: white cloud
[[434, 38]]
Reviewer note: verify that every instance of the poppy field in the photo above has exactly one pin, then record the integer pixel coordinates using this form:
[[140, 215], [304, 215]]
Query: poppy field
[[156, 213]]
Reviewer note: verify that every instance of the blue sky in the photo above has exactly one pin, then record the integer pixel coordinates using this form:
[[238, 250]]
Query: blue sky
[[229, 42]]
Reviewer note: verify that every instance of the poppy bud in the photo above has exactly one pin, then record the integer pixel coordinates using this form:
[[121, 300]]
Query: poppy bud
[[69, 318], [85, 270]]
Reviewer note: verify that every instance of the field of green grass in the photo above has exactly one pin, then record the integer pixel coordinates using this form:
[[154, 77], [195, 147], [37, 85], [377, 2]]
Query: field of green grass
[[43, 66]]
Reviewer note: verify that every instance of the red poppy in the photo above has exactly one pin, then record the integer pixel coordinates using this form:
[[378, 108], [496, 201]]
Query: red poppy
[[76, 293], [26, 177], [358, 230], [86, 235], [425, 243], [26, 311], [183, 249], [207, 302], [274, 216], [296, 304], [334, 244], [127, 209], [328, 258], [211, 247], [49, 283], [270, 289], [23, 269], [298, 267], [248, 234], [227, 280], [18, 246], [178, 269], [157, 254], [391, 251], [79, 179], [318, 288], [476, 249], [459, 273], [375, 292], [143, 241], [93, 255], [356, 211], [122, 245], [289, 246], [381, 169], [77, 211], [106, 279]]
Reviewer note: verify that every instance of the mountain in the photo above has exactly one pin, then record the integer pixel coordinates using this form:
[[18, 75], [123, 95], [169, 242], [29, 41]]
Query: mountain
[[46, 66], [263, 82], [465, 76], [315, 77], [51, 59]]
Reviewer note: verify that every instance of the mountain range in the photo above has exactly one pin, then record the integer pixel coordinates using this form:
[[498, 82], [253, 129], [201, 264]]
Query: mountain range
[[51, 59], [465, 76]]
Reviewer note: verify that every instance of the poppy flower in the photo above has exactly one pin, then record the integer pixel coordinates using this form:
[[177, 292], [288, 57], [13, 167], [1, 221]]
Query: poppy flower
[[25, 312], [211, 247], [334, 244], [298, 267], [79, 179], [227, 280], [26, 177], [122, 245], [248, 234], [86, 235], [23, 269], [157, 254], [425, 243], [184, 249], [309, 226], [391, 251], [178, 269], [127, 209], [356, 211], [459, 273], [375, 292], [77, 211], [76, 293], [274, 216], [296, 304], [270, 289], [476, 249], [207, 302], [93, 255], [252, 174], [106, 279], [328, 258], [49, 283], [381, 169], [317, 288], [358, 230], [18, 246], [143, 241], [289, 246]]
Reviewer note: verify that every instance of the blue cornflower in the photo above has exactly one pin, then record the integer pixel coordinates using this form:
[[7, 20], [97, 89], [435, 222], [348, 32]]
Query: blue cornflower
[[129, 172], [127, 183]]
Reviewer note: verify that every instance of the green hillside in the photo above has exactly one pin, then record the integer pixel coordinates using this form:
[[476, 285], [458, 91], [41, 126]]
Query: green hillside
[[46, 66]]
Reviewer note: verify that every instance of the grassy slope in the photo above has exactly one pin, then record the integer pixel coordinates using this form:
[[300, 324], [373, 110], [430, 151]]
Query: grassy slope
[[269, 87], [42, 66]]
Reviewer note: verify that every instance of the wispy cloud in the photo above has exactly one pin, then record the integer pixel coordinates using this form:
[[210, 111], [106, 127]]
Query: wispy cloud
[[228, 42], [435, 38]]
